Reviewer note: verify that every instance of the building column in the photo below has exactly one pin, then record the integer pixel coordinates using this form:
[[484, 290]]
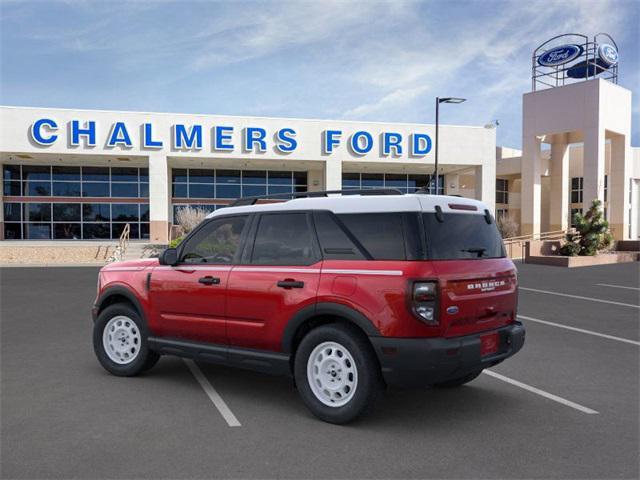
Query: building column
[[333, 174], [559, 204], [485, 185], [618, 188], [159, 199], [314, 179], [531, 186], [593, 167]]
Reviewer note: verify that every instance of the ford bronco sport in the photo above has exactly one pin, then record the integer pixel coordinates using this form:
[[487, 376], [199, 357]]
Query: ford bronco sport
[[346, 293]]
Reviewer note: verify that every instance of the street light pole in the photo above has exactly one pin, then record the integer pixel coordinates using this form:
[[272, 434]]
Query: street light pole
[[438, 102], [435, 171]]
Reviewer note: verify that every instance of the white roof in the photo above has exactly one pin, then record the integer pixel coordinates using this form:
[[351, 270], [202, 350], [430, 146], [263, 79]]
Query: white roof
[[363, 204]]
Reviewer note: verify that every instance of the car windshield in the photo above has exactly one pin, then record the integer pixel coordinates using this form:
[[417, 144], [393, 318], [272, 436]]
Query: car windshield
[[462, 236]]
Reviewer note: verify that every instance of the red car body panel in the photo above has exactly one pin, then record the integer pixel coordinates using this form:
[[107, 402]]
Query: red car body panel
[[258, 310], [247, 308]]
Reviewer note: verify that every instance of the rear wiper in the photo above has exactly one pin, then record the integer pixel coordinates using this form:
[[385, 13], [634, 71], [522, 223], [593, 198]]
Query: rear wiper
[[480, 251]]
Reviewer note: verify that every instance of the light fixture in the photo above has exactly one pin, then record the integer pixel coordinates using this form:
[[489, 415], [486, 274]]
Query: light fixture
[[440, 100]]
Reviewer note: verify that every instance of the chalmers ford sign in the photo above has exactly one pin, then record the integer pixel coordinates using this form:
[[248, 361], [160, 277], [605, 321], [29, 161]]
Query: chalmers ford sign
[[222, 138]]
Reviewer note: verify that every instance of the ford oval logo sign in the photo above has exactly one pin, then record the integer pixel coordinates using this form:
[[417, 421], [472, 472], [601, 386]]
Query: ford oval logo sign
[[608, 54], [452, 310], [560, 55]]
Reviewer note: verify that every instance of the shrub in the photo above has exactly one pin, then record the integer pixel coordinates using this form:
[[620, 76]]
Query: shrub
[[507, 226], [176, 241], [592, 233], [190, 217]]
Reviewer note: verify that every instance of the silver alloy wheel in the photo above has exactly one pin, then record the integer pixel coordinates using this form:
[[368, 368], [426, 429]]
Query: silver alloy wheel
[[332, 374], [121, 340]]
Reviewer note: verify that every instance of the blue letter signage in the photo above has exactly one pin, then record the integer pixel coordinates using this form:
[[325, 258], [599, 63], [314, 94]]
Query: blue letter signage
[[119, 136], [89, 132], [36, 131], [147, 138], [190, 140]]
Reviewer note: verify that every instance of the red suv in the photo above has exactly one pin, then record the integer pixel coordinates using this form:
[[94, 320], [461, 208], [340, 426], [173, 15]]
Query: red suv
[[346, 293]]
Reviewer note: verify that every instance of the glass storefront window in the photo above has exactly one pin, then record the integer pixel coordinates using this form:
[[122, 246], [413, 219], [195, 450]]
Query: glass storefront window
[[12, 189], [254, 177], [227, 191], [69, 231], [66, 173], [96, 212], [47, 220], [37, 189], [36, 172], [37, 212], [12, 212], [224, 176], [37, 231], [95, 189], [66, 189], [231, 184], [95, 174], [197, 190], [66, 212], [124, 212], [124, 190]]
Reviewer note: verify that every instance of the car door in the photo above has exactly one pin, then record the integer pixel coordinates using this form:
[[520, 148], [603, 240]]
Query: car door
[[188, 299], [278, 276]]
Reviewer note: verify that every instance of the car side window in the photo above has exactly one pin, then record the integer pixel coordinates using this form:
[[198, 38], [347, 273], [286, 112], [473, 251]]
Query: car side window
[[215, 243], [334, 241], [380, 233], [283, 239]]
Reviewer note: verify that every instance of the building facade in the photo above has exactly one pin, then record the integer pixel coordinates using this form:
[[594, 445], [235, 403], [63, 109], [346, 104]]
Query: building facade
[[85, 174], [576, 149]]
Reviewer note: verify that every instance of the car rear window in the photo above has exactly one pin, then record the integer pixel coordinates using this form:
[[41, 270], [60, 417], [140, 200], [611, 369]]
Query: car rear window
[[462, 236]]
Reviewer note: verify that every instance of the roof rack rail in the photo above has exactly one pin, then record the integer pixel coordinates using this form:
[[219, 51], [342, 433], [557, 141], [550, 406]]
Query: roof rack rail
[[245, 201]]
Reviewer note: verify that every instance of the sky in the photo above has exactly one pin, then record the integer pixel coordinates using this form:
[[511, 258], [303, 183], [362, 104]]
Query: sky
[[344, 60]]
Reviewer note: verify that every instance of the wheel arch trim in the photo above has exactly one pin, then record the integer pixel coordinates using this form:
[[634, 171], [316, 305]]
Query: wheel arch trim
[[121, 291], [329, 309]]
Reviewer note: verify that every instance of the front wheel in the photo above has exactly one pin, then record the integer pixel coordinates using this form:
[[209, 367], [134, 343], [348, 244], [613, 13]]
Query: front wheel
[[337, 373], [120, 341]]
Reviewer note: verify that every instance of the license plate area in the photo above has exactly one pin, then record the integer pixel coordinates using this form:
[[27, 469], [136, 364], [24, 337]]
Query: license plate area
[[489, 344]]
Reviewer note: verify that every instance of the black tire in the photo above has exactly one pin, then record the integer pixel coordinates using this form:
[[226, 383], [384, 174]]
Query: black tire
[[369, 378], [145, 358], [457, 382]]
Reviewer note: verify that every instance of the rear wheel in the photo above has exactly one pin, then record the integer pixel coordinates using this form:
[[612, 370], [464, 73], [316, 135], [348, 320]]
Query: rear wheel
[[120, 341], [457, 382], [337, 373]]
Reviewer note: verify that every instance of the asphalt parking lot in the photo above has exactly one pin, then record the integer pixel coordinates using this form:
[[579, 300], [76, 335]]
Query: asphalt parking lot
[[567, 406]]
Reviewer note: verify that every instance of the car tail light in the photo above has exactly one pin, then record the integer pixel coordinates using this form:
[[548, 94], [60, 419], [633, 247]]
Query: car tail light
[[423, 301]]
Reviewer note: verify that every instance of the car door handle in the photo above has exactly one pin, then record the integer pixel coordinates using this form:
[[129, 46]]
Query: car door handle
[[209, 280], [290, 284]]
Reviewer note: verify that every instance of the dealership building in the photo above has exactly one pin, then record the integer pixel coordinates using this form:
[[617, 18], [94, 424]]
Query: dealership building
[[85, 174]]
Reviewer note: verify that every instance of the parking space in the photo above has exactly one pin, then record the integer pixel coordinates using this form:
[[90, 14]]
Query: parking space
[[63, 416]]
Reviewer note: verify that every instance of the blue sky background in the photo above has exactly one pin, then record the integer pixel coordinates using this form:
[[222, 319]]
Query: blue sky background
[[323, 59]]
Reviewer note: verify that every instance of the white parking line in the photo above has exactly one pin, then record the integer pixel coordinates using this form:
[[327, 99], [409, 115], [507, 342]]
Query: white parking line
[[213, 395], [581, 330], [542, 393], [580, 298], [617, 286]]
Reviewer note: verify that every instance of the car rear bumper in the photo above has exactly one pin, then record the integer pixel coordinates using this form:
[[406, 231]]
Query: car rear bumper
[[414, 362]]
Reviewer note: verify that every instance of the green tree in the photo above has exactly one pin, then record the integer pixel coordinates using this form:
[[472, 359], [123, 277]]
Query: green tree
[[592, 233]]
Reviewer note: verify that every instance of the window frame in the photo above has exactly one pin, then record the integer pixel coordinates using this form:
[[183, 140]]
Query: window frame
[[247, 254], [502, 193], [206, 224]]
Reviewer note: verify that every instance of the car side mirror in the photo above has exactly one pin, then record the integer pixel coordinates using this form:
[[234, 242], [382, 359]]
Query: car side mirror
[[169, 257]]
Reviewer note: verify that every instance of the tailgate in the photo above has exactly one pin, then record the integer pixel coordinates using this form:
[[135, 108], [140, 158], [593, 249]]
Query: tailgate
[[476, 295]]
